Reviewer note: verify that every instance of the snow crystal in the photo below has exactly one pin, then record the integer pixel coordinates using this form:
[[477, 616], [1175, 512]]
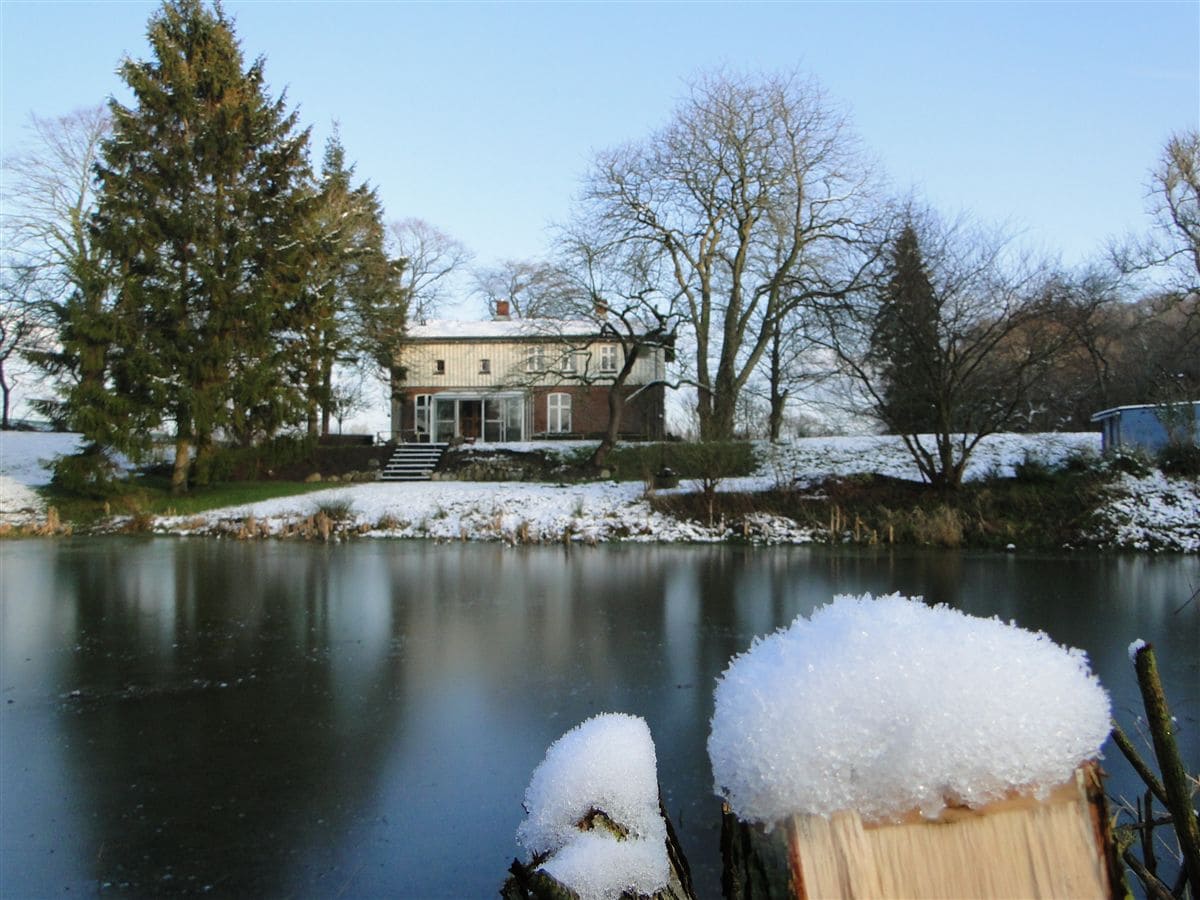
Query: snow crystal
[[605, 764], [887, 705], [595, 865]]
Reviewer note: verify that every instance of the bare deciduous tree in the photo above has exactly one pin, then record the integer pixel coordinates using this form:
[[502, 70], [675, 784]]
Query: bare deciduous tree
[[532, 290], [749, 193], [952, 360], [431, 257], [25, 328], [1173, 244], [620, 289], [48, 192], [51, 261]]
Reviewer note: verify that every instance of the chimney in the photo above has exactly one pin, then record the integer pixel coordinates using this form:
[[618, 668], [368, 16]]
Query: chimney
[[501, 310]]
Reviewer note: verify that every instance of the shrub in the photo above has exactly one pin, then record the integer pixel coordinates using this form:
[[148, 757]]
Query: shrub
[[91, 473], [1178, 458], [941, 527], [336, 510], [248, 463], [1132, 461], [720, 459], [1033, 469], [1080, 461]]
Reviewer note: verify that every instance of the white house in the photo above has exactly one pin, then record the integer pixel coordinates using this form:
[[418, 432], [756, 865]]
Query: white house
[[520, 379]]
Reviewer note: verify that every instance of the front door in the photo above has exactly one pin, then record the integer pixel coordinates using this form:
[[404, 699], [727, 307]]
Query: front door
[[470, 418]]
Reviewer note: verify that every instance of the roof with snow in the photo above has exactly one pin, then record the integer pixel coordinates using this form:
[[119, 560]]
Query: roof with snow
[[506, 329], [1117, 410]]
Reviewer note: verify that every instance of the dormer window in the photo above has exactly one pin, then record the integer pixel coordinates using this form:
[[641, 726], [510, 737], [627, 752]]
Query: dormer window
[[439, 367], [568, 362], [485, 367]]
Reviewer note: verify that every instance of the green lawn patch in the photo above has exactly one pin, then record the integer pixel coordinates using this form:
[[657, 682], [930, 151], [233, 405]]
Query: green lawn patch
[[150, 495]]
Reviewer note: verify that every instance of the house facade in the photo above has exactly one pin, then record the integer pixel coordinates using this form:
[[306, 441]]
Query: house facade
[[521, 379], [1148, 426]]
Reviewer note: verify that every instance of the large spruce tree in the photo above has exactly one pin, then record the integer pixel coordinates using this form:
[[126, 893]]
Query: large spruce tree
[[201, 198], [905, 343], [354, 305]]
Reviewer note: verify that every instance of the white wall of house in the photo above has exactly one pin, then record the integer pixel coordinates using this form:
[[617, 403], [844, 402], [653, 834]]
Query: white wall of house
[[494, 364]]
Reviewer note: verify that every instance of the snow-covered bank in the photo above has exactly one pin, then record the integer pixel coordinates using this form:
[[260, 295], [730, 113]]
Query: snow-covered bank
[[1149, 513]]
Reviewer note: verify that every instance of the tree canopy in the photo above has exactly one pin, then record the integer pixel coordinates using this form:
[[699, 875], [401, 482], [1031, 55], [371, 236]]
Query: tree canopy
[[201, 193]]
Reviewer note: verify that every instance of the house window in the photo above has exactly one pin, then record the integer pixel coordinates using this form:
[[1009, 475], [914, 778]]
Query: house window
[[485, 367], [608, 358], [536, 360], [568, 362], [558, 413], [439, 367]]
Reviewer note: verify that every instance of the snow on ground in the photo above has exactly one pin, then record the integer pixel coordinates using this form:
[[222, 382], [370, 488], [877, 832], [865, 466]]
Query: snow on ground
[[1153, 512], [460, 510], [1147, 513], [23, 459], [885, 706]]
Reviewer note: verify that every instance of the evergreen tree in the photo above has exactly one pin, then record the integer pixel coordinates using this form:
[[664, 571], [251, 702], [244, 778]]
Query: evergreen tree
[[200, 200], [354, 297], [905, 346]]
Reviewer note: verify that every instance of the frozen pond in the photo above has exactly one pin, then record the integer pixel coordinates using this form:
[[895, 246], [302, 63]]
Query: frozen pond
[[285, 719]]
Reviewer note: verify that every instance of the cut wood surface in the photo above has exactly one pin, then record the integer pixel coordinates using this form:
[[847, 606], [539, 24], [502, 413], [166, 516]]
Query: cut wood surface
[[1020, 847]]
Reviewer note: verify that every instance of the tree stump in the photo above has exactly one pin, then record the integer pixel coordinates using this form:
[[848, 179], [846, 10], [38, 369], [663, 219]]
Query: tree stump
[[1017, 847], [527, 882]]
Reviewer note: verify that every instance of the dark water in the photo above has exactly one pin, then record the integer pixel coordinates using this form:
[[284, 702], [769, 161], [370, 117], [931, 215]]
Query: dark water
[[291, 720]]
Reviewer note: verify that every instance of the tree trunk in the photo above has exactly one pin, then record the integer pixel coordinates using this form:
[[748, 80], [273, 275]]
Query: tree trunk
[[204, 456], [616, 410], [183, 462], [720, 422], [778, 404], [4, 389], [779, 394]]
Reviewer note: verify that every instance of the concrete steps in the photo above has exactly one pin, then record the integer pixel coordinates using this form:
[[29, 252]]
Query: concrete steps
[[412, 462]]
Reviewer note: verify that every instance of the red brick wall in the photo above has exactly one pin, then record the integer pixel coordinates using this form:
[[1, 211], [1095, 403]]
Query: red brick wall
[[644, 416]]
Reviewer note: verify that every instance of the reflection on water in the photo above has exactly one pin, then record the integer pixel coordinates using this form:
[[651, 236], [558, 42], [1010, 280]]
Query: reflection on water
[[282, 719]]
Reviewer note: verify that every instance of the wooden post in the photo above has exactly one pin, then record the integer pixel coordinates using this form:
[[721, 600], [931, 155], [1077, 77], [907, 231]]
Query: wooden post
[[1175, 783], [1017, 847]]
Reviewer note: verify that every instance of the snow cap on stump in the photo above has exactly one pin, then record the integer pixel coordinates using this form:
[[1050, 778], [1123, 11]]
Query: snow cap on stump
[[606, 764], [887, 705]]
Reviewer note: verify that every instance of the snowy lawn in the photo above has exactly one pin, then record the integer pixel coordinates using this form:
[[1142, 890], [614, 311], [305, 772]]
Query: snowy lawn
[[24, 456]]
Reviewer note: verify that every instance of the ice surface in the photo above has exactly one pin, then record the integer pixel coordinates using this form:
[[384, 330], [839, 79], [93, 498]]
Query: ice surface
[[605, 764], [887, 705]]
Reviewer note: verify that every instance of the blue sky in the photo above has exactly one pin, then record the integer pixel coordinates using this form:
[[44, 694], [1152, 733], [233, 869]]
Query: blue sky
[[481, 118]]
